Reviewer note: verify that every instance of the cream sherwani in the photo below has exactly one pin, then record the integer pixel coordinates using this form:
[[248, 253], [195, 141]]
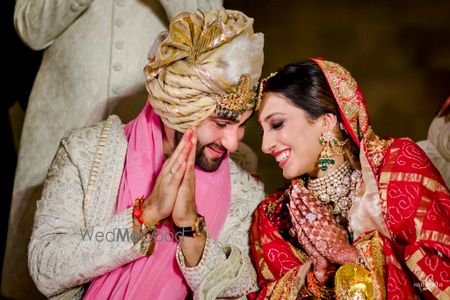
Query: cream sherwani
[[81, 193]]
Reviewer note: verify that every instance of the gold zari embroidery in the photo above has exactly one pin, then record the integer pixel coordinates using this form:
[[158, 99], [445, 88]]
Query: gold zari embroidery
[[435, 236], [345, 90], [412, 263], [427, 182]]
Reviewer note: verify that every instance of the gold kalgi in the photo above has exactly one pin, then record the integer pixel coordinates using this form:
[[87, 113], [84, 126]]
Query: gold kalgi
[[239, 102]]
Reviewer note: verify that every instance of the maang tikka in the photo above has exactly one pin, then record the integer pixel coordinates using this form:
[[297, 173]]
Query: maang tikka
[[328, 142]]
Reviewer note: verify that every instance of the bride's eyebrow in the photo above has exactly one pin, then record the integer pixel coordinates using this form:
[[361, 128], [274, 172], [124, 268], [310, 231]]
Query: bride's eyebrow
[[271, 115]]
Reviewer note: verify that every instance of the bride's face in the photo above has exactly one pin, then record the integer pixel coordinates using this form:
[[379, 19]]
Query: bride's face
[[289, 135]]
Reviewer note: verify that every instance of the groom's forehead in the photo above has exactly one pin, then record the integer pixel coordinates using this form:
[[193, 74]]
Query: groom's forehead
[[241, 118]]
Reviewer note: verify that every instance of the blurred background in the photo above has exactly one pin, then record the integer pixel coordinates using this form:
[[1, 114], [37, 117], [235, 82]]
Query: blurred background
[[398, 51]]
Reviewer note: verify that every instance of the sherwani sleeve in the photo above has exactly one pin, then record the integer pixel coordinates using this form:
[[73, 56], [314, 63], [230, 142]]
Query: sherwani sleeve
[[225, 270], [174, 7], [40, 22], [63, 253]]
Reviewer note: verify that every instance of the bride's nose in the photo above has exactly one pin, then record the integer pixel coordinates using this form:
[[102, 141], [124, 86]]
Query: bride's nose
[[267, 145]]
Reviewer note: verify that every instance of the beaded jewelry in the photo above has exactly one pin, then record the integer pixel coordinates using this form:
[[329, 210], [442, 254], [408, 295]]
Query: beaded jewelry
[[337, 188], [147, 231], [261, 87], [328, 141], [233, 104], [137, 209], [137, 213]]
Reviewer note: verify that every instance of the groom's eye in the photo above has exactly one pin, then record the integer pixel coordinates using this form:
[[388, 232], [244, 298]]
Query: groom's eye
[[221, 124]]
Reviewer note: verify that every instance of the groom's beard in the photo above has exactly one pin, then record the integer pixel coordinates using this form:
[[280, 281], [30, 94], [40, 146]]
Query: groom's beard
[[208, 165]]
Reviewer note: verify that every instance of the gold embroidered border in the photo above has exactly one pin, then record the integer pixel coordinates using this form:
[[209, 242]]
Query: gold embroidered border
[[412, 263], [345, 90], [393, 261], [370, 246], [265, 270], [376, 149], [285, 289], [300, 255], [420, 214], [384, 180], [435, 236], [429, 183]]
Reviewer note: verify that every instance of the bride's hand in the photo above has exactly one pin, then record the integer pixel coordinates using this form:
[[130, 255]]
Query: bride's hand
[[318, 225], [322, 269]]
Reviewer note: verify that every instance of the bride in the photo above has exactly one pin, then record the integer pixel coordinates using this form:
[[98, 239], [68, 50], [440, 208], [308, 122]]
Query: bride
[[363, 217]]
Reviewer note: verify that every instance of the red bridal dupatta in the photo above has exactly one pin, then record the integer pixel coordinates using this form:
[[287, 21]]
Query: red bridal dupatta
[[401, 224]]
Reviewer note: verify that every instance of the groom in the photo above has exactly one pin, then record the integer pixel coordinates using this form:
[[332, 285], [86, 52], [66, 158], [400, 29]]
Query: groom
[[149, 176]]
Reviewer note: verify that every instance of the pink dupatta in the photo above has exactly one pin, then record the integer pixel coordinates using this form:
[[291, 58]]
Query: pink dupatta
[[158, 276]]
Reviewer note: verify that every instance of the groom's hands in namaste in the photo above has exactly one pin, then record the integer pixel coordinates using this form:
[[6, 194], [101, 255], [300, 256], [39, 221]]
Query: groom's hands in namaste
[[160, 203], [174, 195], [185, 212]]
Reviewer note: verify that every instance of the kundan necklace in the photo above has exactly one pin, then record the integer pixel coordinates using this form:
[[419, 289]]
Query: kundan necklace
[[336, 189]]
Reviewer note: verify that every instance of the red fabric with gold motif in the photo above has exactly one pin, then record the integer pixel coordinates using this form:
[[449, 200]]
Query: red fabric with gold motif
[[416, 212], [277, 260], [415, 204], [413, 195], [417, 215]]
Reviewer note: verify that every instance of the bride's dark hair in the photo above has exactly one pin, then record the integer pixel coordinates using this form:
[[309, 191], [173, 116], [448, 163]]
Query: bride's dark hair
[[305, 85]]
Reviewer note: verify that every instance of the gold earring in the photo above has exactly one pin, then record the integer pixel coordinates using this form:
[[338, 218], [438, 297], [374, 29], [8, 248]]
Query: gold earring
[[328, 141]]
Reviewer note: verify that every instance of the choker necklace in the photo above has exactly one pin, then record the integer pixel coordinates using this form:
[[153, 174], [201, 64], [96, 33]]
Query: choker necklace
[[337, 188]]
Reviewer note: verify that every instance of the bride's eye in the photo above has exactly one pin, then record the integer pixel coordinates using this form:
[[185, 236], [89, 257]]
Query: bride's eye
[[277, 124]]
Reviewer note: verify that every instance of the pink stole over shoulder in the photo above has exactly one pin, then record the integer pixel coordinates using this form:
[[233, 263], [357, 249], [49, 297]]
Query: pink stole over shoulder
[[158, 276]]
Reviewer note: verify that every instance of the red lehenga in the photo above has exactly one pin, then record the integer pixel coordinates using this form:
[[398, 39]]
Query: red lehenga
[[401, 221]]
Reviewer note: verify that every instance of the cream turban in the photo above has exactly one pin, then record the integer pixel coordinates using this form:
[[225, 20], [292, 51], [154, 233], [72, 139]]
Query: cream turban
[[206, 62]]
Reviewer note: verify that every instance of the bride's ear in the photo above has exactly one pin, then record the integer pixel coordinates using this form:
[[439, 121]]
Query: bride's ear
[[329, 121]]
